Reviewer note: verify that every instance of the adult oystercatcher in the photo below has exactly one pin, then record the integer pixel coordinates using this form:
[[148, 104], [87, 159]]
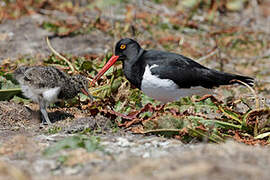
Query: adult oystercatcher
[[45, 85], [166, 76]]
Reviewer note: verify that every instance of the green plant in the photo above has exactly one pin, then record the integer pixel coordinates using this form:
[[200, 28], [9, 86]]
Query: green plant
[[91, 144]]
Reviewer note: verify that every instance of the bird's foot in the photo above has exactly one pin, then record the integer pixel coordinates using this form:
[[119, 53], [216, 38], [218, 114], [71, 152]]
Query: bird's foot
[[45, 119], [42, 125]]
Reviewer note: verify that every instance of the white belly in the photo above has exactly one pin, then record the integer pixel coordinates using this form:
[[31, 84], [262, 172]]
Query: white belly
[[48, 94], [165, 90]]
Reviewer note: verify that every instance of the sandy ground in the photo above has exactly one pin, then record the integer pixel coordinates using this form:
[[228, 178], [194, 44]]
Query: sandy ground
[[24, 37], [125, 155]]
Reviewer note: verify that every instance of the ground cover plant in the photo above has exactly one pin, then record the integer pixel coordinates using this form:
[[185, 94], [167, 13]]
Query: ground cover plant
[[240, 112], [246, 119]]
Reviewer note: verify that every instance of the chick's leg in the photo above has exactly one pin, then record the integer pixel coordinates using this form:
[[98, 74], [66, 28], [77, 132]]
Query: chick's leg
[[42, 106]]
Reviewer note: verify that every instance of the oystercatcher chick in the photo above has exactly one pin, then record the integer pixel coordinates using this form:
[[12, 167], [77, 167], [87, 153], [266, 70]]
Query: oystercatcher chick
[[46, 85], [167, 76]]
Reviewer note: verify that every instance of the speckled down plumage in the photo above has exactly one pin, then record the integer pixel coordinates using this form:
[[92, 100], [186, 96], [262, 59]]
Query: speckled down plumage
[[46, 85]]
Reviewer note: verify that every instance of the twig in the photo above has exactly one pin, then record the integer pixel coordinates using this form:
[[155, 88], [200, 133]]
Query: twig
[[257, 104], [207, 56], [2, 15], [59, 55], [101, 88], [203, 135], [180, 43], [161, 130]]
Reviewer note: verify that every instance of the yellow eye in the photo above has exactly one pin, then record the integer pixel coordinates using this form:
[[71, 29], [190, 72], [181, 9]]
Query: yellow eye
[[123, 46]]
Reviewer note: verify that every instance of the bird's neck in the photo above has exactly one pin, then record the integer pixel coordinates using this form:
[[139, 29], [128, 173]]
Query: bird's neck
[[134, 68]]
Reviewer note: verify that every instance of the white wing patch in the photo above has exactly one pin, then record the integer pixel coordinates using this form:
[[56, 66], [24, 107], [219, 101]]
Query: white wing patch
[[165, 90]]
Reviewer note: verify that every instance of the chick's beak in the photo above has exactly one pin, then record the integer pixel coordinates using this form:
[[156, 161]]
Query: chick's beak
[[111, 61], [85, 92]]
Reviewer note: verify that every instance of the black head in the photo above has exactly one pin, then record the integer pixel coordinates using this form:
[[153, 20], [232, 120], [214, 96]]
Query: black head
[[127, 48]]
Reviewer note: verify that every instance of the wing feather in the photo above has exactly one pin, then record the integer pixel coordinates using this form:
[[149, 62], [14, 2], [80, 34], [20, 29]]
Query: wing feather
[[187, 73]]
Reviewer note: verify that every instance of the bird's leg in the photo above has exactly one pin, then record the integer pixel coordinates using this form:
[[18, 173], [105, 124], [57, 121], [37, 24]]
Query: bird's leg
[[42, 106]]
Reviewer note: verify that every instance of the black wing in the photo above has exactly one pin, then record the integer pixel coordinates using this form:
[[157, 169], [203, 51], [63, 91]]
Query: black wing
[[187, 73]]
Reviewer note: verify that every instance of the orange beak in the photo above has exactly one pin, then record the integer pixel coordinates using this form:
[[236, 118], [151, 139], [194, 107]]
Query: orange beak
[[111, 61]]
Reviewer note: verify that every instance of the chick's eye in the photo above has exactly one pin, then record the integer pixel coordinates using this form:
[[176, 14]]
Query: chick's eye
[[123, 46]]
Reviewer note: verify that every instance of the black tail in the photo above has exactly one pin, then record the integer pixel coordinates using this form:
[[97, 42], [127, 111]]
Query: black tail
[[245, 79], [226, 79]]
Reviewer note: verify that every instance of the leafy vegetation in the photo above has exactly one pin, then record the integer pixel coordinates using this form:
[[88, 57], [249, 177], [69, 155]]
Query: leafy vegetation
[[194, 30], [77, 141], [185, 119]]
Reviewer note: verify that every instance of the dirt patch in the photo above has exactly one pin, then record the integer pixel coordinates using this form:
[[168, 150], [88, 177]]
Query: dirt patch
[[12, 114], [165, 160], [18, 144], [91, 123], [199, 162], [10, 172], [25, 37]]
